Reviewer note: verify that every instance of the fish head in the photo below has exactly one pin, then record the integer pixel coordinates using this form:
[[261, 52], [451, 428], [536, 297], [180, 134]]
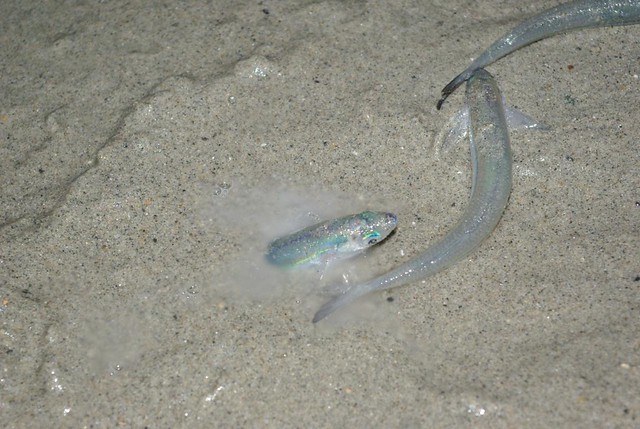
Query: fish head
[[369, 227]]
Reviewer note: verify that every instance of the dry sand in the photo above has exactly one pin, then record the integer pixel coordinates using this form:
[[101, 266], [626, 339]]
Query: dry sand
[[120, 121]]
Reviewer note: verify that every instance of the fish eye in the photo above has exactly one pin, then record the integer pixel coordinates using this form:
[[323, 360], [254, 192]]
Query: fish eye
[[372, 237]]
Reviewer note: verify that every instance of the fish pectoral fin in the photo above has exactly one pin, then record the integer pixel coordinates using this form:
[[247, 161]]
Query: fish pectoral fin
[[454, 133], [322, 266], [457, 128], [516, 120]]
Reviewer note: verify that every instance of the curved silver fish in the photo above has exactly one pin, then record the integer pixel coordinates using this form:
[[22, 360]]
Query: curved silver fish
[[562, 18], [491, 186], [331, 240]]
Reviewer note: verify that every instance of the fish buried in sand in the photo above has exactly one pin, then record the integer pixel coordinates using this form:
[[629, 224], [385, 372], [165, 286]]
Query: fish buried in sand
[[560, 19], [491, 185], [331, 240]]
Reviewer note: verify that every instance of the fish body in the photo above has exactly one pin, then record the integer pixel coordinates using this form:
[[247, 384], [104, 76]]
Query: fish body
[[331, 240], [560, 19], [491, 185]]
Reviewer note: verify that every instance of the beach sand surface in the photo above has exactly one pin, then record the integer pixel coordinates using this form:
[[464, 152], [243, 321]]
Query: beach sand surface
[[149, 151]]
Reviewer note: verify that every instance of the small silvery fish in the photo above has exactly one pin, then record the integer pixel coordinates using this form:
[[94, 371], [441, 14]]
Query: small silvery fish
[[330, 240]]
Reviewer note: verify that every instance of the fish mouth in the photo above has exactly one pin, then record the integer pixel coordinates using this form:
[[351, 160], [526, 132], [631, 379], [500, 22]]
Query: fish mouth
[[391, 220], [388, 224]]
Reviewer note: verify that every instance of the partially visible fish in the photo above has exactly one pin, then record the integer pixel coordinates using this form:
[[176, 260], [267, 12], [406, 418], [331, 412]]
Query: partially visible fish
[[562, 18], [331, 240]]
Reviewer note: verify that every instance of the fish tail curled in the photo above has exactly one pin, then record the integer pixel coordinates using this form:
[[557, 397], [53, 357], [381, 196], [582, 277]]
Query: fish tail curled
[[333, 304], [453, 85]]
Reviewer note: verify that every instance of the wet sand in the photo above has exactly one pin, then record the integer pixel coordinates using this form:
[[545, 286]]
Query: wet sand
[[122, 125]]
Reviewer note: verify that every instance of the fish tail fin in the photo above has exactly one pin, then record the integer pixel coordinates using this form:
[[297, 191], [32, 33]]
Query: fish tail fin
[[331, 306], [337, 302], [453, 85], [343, 299]]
